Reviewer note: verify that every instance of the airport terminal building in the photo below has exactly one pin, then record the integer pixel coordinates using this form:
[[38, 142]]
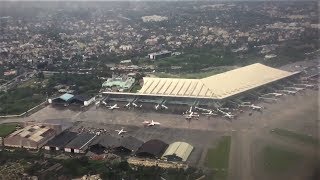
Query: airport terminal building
[[206, 91]]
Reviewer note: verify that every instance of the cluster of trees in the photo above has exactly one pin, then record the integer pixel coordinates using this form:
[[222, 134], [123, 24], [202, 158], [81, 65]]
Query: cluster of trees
[[122, 170], [80, 83], [195, 59], [20, 99]]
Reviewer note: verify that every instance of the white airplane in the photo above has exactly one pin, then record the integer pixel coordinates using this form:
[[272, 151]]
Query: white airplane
[[104, 103], [98, 103], [203, 109], [164, 106], [265, 98], [115, 106], [152, 123], [132, 104], [210, 113], [228, 115], [225, 114], [273, 94], [305, 85], [158, 106], [254, 107], [296, 88], [288, 92], [246, 103], [191, 115], [120, 131]]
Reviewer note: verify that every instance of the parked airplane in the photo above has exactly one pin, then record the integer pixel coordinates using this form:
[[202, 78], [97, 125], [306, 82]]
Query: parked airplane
[[210, 113], [273, 94], [191, 115], [120, 131], [152, 123], [203, 109], [160, 106], [132, 104], [265, 98], [252, 106], [288, 92], [295, 88], [115, 106], [226, 114], [305, 85]]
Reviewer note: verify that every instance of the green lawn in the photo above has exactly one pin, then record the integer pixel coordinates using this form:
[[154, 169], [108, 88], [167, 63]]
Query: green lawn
[[6, 129], [296, 136], [277, 160], [218, 158], [192, 75]]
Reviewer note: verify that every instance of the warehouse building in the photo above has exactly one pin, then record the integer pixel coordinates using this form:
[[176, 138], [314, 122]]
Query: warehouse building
[[103, 143], [80, 144], [33, 136], [159, 55], [118, 145], [61, 100], [128, 145], [152, 149], [81, 100], [178, 151], [58, 142]]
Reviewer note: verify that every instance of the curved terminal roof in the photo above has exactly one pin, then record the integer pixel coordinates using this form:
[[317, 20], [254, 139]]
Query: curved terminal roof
[[152, 148], [178, 151], [218, 86]]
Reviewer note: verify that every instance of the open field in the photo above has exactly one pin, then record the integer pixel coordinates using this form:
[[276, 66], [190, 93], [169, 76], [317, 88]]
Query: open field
[[198, 75], [296, 136], [217, 158], [6, 129], [277, 160]]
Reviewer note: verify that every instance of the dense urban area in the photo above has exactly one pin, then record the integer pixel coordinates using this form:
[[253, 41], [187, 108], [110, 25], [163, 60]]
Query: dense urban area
[[159, 90]]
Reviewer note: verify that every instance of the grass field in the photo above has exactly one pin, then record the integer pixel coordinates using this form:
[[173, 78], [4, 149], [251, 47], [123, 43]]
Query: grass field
[[218, 158], [6, 129], [277, 160], [296, 136], [198, 75]]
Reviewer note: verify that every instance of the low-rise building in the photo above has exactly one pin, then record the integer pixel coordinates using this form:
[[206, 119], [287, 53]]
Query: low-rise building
[[32, 136]]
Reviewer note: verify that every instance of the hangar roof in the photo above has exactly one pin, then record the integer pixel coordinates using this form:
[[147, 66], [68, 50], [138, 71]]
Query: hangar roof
[[153, 148], [217, 86], [82, 141], [66, 97], [107, 141], [131, 143], [179, 149], [62, 139]]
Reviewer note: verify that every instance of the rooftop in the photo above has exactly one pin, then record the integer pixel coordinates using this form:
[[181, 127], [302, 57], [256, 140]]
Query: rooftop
[[82, 141], [35, 132], [66, 97], [218, 86]]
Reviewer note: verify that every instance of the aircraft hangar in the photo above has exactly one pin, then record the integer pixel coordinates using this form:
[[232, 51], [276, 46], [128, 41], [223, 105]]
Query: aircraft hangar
[[210, 91]]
